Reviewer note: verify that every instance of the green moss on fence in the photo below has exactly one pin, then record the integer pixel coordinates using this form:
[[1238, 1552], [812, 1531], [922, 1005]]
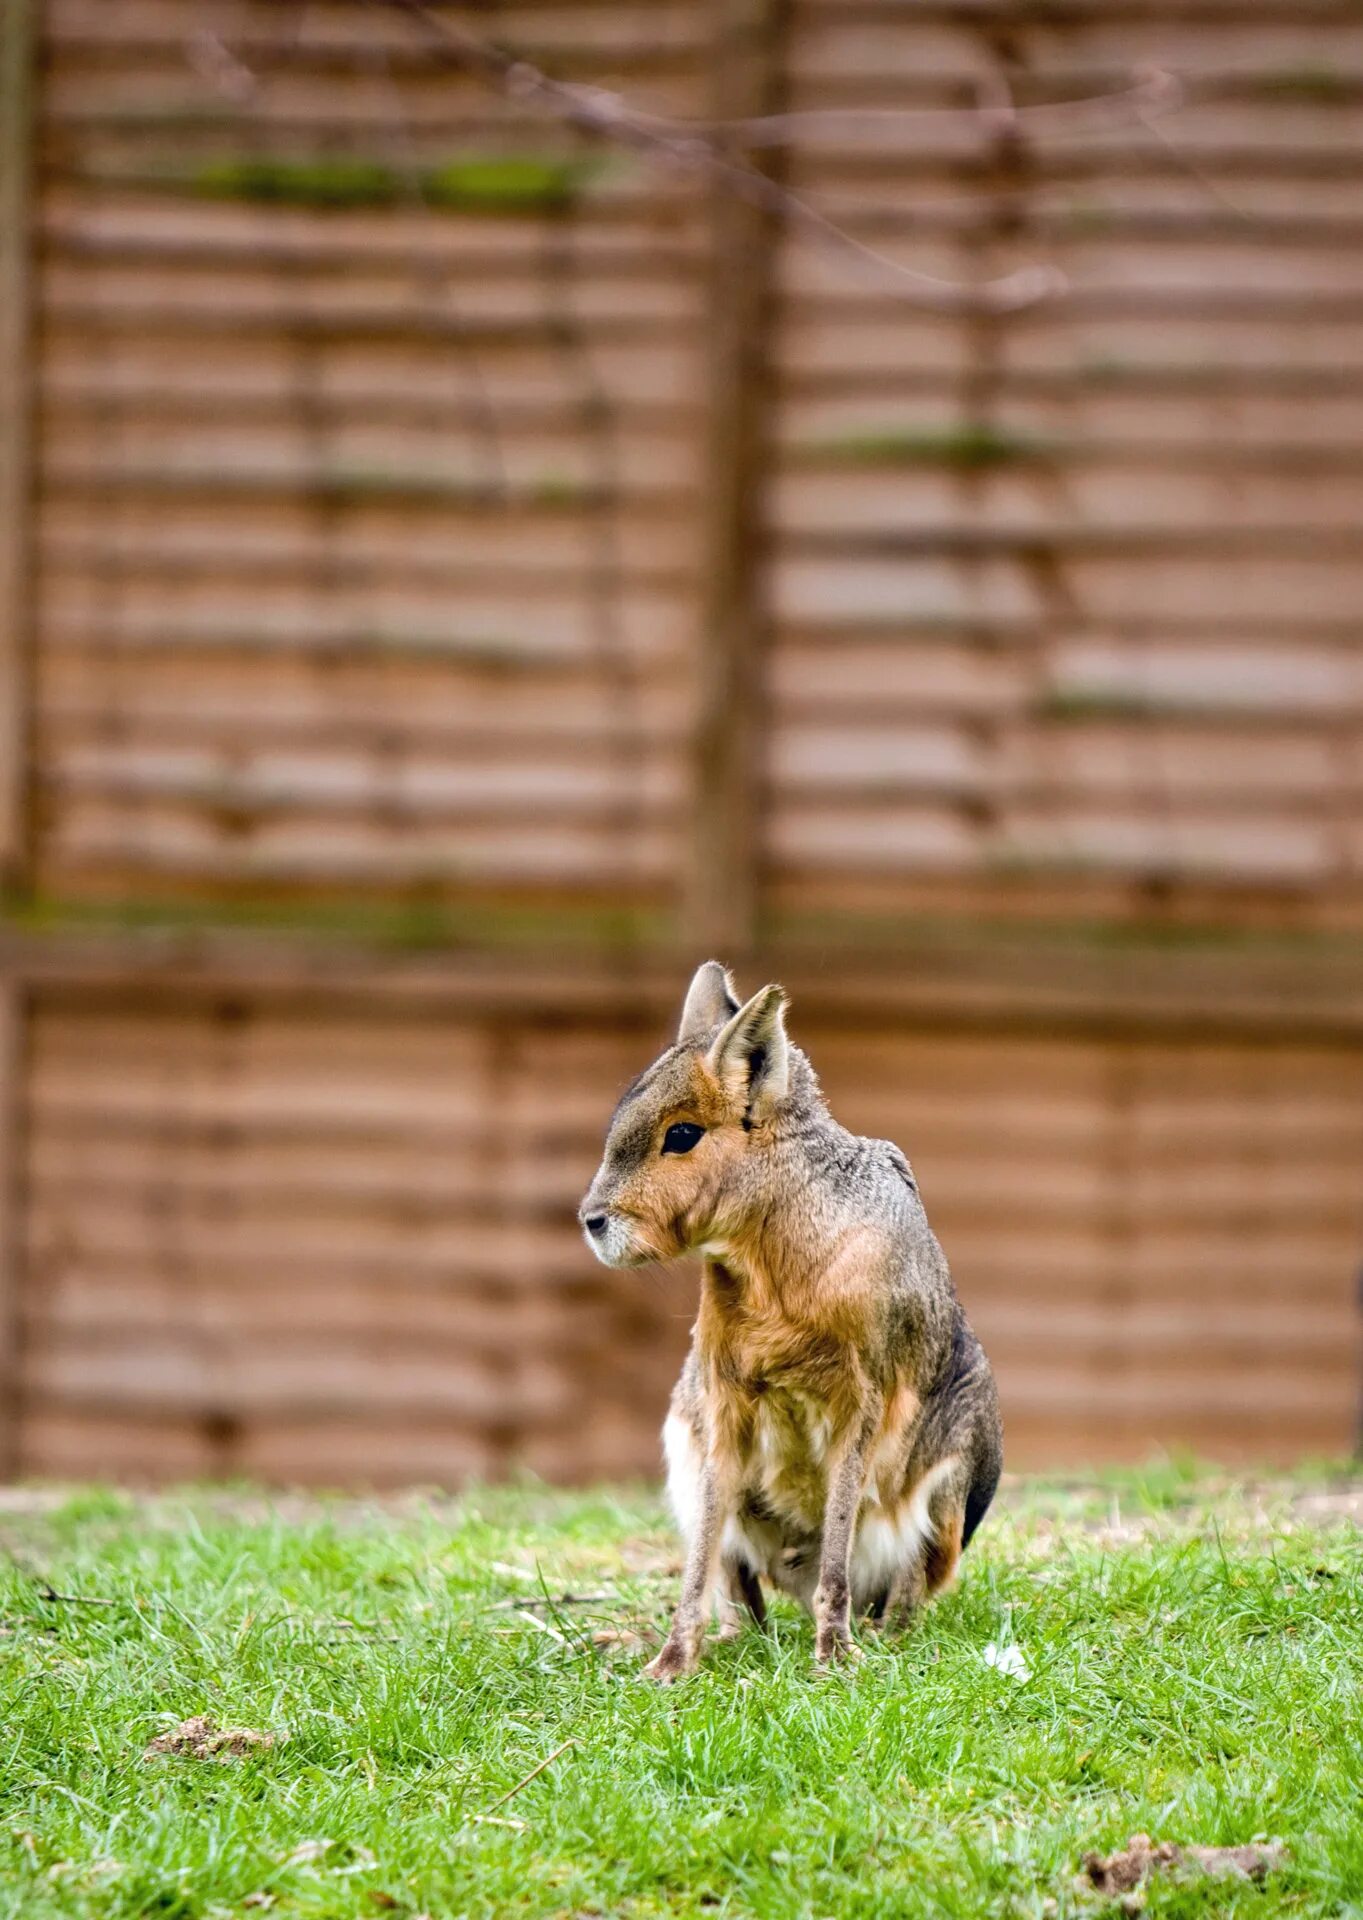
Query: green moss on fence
[[879, 936], [1099, 703], [415, 924], [429, 923], [970, 446], [512, 184], [343, 486], [1316, 85], [561, 490], [475, 183]]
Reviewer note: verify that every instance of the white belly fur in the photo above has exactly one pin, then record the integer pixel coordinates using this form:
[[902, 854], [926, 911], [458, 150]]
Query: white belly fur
[[884, 1543]]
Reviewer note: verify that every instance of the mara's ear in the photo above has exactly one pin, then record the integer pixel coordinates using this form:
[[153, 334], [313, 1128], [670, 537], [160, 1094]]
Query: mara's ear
[[751, 1056], [710, 998]]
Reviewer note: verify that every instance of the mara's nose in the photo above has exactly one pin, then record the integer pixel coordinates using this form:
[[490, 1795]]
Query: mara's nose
[[593, 1222]]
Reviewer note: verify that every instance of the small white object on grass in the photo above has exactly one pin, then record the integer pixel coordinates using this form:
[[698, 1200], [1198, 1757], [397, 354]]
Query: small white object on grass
[[1008, 1659]]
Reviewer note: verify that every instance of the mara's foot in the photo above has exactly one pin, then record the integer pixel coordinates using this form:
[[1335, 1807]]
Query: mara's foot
[[674, 1663], [834, 1646]]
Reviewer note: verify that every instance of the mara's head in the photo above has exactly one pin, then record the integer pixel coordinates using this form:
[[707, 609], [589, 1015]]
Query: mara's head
[[683, 1143]]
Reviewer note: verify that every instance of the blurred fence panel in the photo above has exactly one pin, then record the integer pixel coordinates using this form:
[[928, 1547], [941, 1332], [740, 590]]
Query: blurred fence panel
[[340, 1245], [450, 529], [1066, 598], [326, 1248], [371, 411], [374, 514], [1157, 1243]]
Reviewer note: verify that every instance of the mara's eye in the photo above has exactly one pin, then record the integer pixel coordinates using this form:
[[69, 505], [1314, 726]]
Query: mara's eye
[[681, 1136]]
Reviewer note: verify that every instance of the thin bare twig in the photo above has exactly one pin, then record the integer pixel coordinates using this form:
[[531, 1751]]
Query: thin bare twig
[[542, 1626], [701, 149], [1153, 90], [210, 56], [46, 1592], [1189, 166], [533, 1774], [695, 152], [712, 149], [44, 1588], [551, 1601]]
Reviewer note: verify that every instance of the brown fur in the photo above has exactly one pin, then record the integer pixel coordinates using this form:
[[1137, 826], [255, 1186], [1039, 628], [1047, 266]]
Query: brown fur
[[835, 1429]]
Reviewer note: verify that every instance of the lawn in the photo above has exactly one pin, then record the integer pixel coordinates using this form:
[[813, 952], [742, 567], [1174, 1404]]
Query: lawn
[[1174, 1654]]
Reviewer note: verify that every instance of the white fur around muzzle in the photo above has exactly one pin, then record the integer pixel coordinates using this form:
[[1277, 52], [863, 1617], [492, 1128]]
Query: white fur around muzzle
[[614, 1247]]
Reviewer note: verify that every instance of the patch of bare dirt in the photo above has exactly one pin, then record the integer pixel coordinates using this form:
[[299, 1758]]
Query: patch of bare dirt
[[1344, 1503], [198, 1739], [626, 1639], [1124, 1873], [30, 1500], [649, 1559]]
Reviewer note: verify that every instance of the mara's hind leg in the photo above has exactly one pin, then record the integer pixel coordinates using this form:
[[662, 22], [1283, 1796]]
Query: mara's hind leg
[[981, 1490], [875, 1606], [939, 1510], [963, 1438], [942, 1549], [739, 1589], [906, 1596]]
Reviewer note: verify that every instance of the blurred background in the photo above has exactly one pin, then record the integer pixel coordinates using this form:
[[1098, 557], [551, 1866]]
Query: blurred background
[[499, 502]]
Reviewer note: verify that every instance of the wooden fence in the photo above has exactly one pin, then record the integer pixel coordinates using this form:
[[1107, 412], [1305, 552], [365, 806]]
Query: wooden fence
[[430, 504], [435, 530], [321, 1225]]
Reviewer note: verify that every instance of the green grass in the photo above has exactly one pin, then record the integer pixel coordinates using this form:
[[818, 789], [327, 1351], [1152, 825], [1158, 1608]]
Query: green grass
[[1195, 1654]]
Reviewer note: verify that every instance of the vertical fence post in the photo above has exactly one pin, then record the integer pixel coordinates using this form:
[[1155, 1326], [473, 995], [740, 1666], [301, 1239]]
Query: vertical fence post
[[722, 900], [12, 1038], [17, 21]]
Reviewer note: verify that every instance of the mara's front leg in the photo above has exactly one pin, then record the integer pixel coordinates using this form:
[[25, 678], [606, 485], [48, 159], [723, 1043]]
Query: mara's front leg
[[833, 1595], [680, 1653]]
